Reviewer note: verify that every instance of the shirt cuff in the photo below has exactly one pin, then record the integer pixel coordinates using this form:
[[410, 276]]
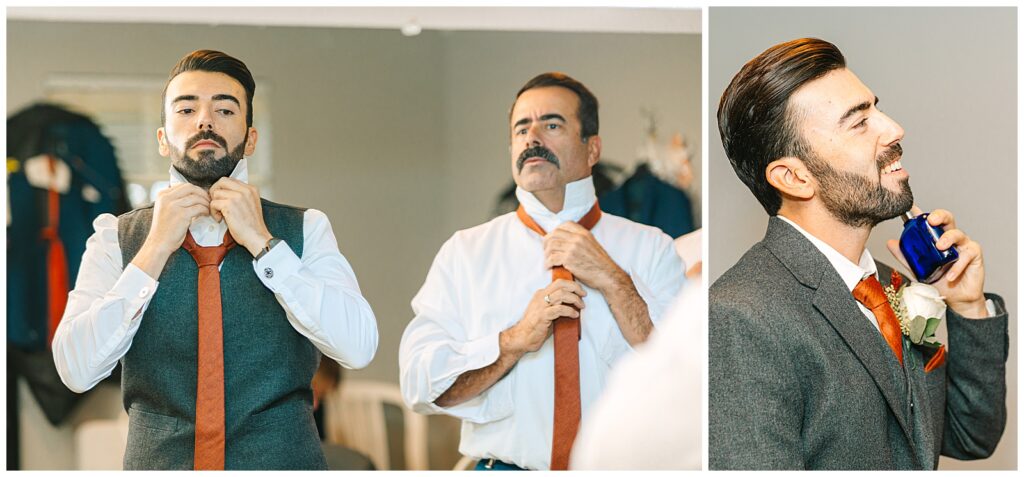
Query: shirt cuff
[[137, 288], [990, 306], [495, 402], [276, 266], [482, 351]]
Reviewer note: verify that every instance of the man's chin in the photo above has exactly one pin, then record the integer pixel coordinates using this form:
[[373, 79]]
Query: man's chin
[[204, 155], [531, 179]]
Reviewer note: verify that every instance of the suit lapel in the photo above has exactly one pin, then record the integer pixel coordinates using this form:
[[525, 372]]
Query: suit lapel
[[834, 301]]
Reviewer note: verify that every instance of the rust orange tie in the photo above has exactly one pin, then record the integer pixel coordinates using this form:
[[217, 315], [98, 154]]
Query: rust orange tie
[[869, 292], [210, 439], [567, 359]]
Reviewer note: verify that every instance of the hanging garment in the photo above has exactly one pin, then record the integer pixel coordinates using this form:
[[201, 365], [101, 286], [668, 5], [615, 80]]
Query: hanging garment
[[61, 174], [647, 199]]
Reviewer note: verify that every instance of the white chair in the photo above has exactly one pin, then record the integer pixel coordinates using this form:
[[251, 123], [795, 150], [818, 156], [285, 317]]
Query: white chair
[[465, 463], [354, 417], [100, 443]]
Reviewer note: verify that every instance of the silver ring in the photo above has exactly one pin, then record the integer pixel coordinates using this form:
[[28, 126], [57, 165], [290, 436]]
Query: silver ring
[[547, 299]]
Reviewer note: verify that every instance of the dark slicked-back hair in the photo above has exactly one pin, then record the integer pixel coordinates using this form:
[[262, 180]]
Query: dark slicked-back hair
[[754, 119], [587, 110], [215, 62]]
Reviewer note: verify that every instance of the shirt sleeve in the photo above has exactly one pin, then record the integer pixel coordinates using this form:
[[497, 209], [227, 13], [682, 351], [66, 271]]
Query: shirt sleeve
[[103, 311], [435, 350], [657, 281], [660, 282], [320, 294]]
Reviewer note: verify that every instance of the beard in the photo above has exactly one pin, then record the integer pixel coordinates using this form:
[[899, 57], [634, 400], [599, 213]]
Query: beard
[[206, 169], [856, 201]]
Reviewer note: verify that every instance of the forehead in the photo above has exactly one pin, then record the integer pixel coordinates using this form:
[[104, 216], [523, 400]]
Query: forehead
[[204, 84], [546, 100], [822, 102]]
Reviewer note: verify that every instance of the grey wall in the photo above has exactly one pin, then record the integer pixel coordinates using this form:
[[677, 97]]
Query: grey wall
[[483, 72], [400, 141], [949, 77]]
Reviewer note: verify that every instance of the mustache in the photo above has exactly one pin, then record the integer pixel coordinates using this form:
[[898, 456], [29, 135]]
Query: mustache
[[537, 151], [893, 153], [206, 135]]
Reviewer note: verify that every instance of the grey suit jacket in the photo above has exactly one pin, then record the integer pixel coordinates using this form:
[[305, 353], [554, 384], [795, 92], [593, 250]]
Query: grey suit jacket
[[799, 379]]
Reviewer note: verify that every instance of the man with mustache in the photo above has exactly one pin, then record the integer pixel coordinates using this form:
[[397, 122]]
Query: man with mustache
[[218, 355], [480, 347], [802, 374]]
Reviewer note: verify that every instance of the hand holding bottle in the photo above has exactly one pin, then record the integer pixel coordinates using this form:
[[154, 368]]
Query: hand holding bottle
[[964, 282]]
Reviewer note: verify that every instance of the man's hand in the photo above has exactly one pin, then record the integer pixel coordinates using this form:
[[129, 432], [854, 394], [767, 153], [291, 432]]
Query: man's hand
[[238, 204], [527, 335], [963, 285], [573, 246], [534, 327], [173, 211]]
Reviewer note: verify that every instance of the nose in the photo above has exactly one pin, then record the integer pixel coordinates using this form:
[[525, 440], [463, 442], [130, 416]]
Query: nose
[[532, 135], [204, 119], [893, 131]]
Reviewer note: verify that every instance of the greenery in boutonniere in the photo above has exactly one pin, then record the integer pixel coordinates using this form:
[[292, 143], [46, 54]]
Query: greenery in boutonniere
[[919, 308]]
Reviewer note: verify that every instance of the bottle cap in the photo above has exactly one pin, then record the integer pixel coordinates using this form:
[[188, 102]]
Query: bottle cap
[[907, 216]]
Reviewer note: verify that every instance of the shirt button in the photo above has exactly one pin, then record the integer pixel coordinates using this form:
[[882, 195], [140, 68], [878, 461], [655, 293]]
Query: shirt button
[[211, 228], [267, 272], [144, 293]]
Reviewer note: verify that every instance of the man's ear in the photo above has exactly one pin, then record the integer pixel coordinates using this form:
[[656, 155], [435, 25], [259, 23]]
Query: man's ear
[[250, 142], [161, 141], [790, 176], [593, 150]]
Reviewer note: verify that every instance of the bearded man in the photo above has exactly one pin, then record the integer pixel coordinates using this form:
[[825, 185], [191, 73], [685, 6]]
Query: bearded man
[[208, 386], [808, 364]]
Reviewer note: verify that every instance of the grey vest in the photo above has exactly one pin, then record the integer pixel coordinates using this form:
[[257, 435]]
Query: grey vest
[[268, 366]]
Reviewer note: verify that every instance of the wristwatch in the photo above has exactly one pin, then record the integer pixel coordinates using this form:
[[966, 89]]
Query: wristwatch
[[266, 248]]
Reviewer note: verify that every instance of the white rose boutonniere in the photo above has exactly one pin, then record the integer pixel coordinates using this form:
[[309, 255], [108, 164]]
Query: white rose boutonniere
[[919, 308]]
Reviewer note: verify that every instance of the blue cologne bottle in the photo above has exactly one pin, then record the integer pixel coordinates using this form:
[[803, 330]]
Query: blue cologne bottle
[[918, 246]]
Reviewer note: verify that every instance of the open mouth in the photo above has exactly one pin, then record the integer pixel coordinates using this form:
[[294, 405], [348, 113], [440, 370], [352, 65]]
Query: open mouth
[[892, 167]]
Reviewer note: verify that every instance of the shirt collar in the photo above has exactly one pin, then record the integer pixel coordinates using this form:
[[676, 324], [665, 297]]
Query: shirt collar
[[240, 173], [851, 273], [579, 198]]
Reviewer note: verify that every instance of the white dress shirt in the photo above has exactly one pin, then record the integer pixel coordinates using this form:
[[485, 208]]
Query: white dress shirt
[[318, 292], [480, 284], [649, 417]]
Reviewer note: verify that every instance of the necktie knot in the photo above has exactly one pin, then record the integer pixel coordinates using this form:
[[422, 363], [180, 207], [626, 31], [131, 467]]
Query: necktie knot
[[869, 292], [208, 256]]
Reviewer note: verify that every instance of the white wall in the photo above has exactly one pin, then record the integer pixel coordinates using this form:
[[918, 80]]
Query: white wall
[[948, 76]]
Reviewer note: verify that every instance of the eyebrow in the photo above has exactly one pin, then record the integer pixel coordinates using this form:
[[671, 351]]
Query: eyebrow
[[854, 110], [228, 97], [216, 97], [546, 117]]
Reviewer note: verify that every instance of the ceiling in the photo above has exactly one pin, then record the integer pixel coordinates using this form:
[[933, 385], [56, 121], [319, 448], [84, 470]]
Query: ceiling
[[571, 19]]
